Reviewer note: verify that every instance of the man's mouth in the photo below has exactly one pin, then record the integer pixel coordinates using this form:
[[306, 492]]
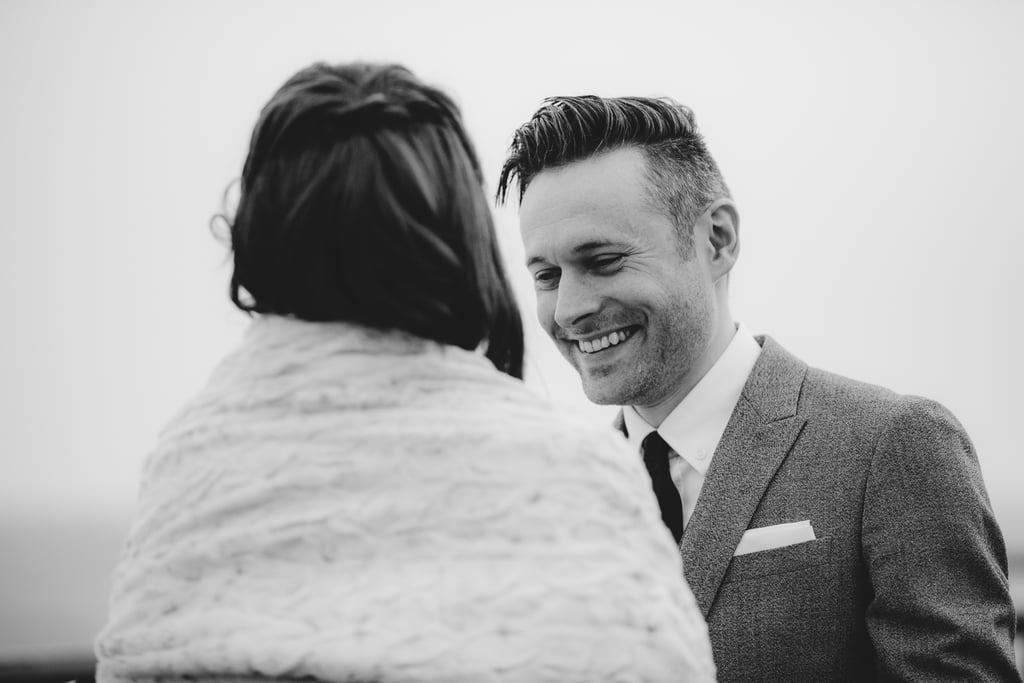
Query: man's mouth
[[599, 344]]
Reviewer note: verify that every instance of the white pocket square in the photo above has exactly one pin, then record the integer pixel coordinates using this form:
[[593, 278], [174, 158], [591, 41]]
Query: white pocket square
[[776, 536]]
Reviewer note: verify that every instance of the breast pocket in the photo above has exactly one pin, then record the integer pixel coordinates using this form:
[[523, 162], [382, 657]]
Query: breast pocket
[[790, 558]]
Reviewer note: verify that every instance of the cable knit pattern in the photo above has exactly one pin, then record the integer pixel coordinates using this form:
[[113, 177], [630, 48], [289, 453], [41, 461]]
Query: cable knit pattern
[[342, 504]]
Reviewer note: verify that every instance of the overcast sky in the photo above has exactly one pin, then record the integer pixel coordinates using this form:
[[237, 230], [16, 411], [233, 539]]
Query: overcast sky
[[873, 148]]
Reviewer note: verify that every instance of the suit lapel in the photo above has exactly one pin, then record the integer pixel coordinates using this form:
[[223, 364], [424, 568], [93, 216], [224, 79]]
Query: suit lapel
[[761, 431]]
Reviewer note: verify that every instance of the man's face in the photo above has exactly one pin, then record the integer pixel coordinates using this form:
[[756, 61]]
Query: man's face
[[614, 292]]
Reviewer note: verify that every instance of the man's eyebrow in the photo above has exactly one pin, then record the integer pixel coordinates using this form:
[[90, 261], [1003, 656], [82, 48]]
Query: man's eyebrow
[[592, 245], [582, 248]]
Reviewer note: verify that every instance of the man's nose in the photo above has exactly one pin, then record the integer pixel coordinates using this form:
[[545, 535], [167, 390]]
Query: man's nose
[[576, 301]]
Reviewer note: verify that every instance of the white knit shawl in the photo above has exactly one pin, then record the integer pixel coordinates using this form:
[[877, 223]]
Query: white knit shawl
[[344, 504]]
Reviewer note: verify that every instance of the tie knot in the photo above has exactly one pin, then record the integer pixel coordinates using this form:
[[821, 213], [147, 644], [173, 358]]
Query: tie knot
[[655, 450]]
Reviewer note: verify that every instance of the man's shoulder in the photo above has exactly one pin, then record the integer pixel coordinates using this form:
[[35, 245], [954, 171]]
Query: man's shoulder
[[826, 387], [823, 392]]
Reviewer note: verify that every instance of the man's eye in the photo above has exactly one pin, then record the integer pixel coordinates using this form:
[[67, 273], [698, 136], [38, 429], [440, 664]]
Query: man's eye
[[546, 279], [609, 263]]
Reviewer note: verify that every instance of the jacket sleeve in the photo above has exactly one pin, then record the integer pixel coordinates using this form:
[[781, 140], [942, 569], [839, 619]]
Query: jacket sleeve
[[940, 608]]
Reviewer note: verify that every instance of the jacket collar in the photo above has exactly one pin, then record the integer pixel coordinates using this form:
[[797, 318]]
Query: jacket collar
[[773, 387]]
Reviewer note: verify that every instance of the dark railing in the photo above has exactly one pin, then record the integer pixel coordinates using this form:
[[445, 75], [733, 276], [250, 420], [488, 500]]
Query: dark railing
[[80, 669]]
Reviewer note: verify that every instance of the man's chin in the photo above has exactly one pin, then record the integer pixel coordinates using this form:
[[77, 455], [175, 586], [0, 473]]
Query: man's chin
[[603, 393]]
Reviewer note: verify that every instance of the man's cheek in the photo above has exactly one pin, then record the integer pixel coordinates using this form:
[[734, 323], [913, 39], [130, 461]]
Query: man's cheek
[[546, 312]]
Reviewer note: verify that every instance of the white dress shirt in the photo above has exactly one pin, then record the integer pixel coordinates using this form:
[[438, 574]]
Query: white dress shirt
[[695, 426]]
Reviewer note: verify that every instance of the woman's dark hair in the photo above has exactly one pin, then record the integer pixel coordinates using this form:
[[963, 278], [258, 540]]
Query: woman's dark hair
[[362, 200]]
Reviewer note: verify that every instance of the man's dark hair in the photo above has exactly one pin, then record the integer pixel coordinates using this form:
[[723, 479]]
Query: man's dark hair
[[683, 176], [362, 200]]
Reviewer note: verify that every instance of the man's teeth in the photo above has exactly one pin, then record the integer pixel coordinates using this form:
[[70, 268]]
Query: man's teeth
[[595, 345]]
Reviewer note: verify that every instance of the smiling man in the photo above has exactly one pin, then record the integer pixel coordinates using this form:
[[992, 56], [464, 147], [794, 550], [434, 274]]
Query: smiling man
[[609, 266], [830, 529]]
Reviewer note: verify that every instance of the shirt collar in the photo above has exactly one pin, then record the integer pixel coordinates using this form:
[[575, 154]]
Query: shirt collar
[[695, 426]]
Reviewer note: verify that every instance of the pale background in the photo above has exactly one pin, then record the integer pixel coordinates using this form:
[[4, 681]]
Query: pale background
[[874, 149]]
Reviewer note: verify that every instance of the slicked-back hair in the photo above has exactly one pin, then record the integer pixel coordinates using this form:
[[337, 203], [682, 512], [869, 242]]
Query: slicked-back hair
[[362, 200], [683, 178]]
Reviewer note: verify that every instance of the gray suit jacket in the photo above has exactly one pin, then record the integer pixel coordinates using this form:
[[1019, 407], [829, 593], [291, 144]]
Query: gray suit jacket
[[907, 577]]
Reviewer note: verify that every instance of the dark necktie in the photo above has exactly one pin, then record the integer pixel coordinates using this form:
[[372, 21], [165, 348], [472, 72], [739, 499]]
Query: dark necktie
[[656, 458]]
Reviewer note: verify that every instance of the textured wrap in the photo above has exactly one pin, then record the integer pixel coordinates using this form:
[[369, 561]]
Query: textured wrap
[[343, 504]]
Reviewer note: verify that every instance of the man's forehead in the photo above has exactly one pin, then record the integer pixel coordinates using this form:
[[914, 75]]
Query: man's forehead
[[623, 171], [567, 214], [608, 188]]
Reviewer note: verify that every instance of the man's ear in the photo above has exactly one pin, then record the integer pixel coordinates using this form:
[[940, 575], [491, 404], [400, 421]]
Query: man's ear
[[723, 237]]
